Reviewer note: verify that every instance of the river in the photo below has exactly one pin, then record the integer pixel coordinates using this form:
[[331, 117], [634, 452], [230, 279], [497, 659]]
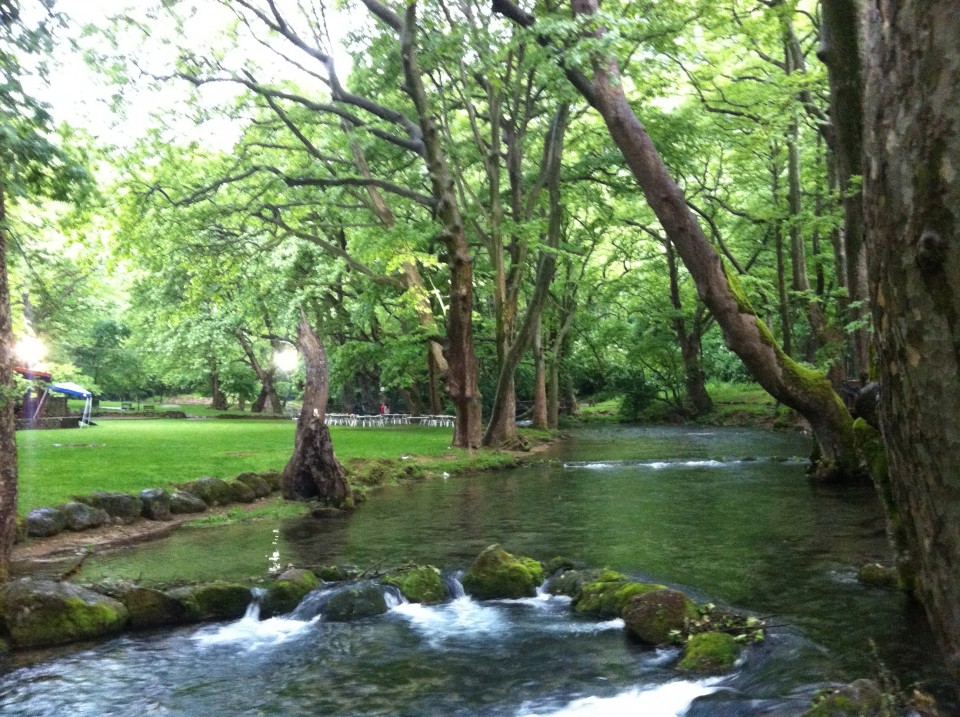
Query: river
[[727, 515]]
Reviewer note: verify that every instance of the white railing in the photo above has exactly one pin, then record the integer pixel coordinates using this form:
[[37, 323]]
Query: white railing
[[388, 419]]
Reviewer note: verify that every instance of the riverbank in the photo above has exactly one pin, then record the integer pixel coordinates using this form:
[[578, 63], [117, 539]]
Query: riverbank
[[62, 555]]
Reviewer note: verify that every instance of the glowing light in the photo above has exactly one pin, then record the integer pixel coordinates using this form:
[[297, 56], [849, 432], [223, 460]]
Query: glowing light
[[30, 350], [287, 360]]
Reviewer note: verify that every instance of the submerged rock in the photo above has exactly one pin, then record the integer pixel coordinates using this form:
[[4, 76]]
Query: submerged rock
[[497, 574], [709, 652], [861, 698], [80, 516], [336, 573], [652, 616], [40, 613], [183, 502], [44, 522], [283, 595], [155, 504], [213, 601], [421, 583]]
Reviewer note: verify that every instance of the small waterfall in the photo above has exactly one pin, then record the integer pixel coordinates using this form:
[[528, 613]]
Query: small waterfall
[[454, 586]]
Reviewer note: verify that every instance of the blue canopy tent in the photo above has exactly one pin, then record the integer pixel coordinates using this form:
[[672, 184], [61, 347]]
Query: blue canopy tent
[[68, 388]]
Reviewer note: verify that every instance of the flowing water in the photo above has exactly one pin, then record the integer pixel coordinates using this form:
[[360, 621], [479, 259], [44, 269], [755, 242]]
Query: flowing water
[[726, 514]]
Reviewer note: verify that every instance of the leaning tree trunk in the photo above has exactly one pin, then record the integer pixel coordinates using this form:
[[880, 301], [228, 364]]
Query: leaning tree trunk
[[313, 470], [807, 392], [219, 402], [912, 193], [8, 445]]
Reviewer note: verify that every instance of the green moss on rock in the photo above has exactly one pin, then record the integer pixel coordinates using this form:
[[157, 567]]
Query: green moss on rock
[[283, 595], [421, 583], [606, 596], [874, 575], [152, 608], [710, 652], [355, 602], [861, 698], [213, 601], [240, 492], [496, 574], [211, 491], [653, 617], [40, 613], [257, 484], [571, 582]]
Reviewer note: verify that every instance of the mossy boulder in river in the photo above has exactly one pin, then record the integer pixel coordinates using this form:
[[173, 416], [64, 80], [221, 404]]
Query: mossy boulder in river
[[652, 616], [497, 574], [213, 601], [874, 575], [709, 652], [571, 582], [606, 596], [419, 583], [354, 602], [283, 595], [153, 608], [40, 613], [861, 698]]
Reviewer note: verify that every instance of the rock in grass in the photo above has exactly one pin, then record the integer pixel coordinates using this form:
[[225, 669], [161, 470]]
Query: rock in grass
[[155, 504], [256, 483], [213, 601], [421, 583], [44, 522], [121, 507], [241, 492], [153, 608], [497, 574], [273, 479], [80, 516], [652, 616], [40, 613], [284, 594], [183, 502], [211, 491], [709, 652]]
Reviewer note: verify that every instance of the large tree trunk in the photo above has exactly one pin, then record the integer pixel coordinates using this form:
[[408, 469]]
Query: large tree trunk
[[268, 391], [219, 398], [8, 444], [313, 470], [806, 391], [694, 378], [912, 192], [840, 52]]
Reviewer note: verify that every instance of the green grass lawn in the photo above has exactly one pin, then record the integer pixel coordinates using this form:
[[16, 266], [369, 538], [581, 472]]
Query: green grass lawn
[[128, 456]]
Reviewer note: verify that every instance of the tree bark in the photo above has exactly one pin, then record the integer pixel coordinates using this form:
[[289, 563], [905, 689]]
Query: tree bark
[[8, 444], [912, 193], [268, 391], [806, 391], [219, 398], [689, 342], [313, 470], [539, 418], [840, 52]]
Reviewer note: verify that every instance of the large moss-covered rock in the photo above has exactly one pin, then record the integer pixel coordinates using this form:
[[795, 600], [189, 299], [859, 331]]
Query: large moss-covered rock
[[121, 507], [608, 593], [155, 504], [256, 483], [709, 652], [39, 613], [336, 573], [571, 582], [874, 575], [273, 479], [286, 592], [241, 492], [213, 601], [182, 502], [354, 602], [421, 583], [80, 516], [652, 616], [211, 491], [497, 574], [152, 608], [861, 698], [44, 522]]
